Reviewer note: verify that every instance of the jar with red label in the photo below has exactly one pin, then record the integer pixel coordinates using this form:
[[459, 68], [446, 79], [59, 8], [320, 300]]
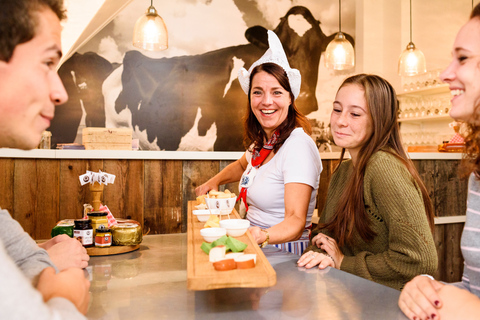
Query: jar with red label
[[103, 237]]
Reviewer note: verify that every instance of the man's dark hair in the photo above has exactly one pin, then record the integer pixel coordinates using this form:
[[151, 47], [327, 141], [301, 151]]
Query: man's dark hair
[[19, 20]]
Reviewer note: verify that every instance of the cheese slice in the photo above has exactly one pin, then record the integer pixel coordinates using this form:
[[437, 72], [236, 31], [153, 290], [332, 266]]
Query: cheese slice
[[212, 222]]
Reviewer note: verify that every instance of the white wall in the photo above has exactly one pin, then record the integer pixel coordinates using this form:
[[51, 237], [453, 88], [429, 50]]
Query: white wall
[[383, 32]]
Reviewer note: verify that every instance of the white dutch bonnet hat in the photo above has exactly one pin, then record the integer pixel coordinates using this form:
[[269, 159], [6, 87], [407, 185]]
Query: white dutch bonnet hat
[[274, 54]]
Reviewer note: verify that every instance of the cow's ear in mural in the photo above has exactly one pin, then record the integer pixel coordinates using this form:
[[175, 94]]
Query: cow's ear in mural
[[258, 36], [185, 102]]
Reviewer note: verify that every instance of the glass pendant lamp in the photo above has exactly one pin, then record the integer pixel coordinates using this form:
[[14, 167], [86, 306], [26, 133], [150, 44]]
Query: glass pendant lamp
[[150, 32], [339, 54], [412, 61]]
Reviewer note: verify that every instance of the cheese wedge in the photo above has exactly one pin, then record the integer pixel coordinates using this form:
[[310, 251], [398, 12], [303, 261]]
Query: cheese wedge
[[212, 222]]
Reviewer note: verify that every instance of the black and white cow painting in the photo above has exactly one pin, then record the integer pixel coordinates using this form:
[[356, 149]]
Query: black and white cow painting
[[173, 102]]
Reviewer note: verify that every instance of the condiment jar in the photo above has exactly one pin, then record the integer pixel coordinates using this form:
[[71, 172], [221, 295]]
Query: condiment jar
[[63, 227], [127, 234], [83, 232], [45, 142], [103, 237], [98, 218]]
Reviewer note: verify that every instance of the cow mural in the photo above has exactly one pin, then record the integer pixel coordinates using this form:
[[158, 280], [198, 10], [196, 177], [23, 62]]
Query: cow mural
[[82, 76], [165, 98]]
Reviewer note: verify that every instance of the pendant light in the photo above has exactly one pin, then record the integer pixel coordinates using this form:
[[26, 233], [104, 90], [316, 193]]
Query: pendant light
[[412, 60], [150, 32], [339, 54]]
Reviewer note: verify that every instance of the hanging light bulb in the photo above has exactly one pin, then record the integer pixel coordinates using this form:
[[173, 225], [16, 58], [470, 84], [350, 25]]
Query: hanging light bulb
[[412, 61], [150, 32], [339, 54]]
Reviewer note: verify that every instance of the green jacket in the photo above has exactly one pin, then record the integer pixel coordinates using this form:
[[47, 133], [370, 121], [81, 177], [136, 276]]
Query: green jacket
[[404, 246]]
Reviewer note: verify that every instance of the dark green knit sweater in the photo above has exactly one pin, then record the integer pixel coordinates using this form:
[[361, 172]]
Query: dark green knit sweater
[[404, 246]]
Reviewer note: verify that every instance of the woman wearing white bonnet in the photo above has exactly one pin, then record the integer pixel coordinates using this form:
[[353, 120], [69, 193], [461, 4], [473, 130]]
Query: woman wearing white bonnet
[[280, 171]]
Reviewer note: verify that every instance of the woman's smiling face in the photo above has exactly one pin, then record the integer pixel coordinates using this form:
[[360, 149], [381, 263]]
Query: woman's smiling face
[[463, 73], [350, 120], [269, 101]]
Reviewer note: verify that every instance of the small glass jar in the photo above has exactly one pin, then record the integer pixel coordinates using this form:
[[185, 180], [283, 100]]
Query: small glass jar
[[46, 141], [103, 237], [83, 232], [63, 227], [98, 218]]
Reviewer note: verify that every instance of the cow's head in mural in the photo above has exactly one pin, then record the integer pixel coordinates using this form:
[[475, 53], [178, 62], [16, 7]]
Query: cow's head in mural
[[167, 98]]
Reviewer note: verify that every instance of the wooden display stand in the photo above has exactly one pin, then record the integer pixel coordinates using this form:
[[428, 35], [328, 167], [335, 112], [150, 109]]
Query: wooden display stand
[[200, 272], [97, 190]]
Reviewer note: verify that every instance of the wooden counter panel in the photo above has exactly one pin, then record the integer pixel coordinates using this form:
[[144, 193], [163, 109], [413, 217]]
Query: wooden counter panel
[[46, 211], [7, 173], [200, 272], [70, 192], [25, 190], [155, 192], [450, 189]]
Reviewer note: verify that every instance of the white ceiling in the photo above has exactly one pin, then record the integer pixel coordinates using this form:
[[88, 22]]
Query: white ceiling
[[85, 19]]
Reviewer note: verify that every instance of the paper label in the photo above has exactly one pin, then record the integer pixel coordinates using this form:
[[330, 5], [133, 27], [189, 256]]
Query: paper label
[[84, 236]]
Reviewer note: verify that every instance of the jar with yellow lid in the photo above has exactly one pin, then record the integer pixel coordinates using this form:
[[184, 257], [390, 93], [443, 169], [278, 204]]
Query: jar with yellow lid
[[98, 218]]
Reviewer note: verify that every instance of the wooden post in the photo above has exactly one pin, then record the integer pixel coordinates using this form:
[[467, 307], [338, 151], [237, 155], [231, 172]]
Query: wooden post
[[96, 189]]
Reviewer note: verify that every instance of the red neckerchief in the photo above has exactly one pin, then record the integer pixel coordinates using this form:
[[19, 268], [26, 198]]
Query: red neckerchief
[[258, 156]]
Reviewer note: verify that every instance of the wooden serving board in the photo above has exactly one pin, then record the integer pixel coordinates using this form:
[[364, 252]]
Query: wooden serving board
[[200, 272], [94, 251]]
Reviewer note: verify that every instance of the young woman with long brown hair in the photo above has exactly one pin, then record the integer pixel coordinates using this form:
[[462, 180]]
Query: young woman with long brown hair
[[377, 222], [424, 297]]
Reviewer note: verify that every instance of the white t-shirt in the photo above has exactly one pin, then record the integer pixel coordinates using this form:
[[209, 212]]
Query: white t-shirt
[[297, 161]]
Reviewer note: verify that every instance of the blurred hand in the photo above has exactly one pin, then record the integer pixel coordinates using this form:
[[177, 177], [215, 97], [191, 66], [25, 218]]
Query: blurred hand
[[258, 235], [459, 304], [420, 298], [68, 253], [70, 284], [205, 188], [57, 239]]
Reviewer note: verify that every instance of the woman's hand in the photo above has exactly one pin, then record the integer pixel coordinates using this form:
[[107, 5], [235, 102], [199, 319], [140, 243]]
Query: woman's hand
[[205, 188], [258, 234], [311, 258], [329, 245], [419, 298]]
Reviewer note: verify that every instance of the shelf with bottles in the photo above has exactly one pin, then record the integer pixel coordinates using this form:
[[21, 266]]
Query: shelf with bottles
[[428, 83], [424, 108], [426, 134]]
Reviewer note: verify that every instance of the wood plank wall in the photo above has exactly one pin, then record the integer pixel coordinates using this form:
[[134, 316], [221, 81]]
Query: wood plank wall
[[39, 192]]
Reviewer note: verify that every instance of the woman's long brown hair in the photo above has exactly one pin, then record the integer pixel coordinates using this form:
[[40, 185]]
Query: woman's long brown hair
[[350, 213], [254, 134]]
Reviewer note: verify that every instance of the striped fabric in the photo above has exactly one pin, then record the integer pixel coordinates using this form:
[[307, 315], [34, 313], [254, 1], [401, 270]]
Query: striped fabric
[[296, 247], [470, 243]]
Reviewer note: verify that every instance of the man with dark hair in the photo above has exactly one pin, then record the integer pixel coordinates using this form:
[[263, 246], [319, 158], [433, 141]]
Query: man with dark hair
[[30, 49]]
